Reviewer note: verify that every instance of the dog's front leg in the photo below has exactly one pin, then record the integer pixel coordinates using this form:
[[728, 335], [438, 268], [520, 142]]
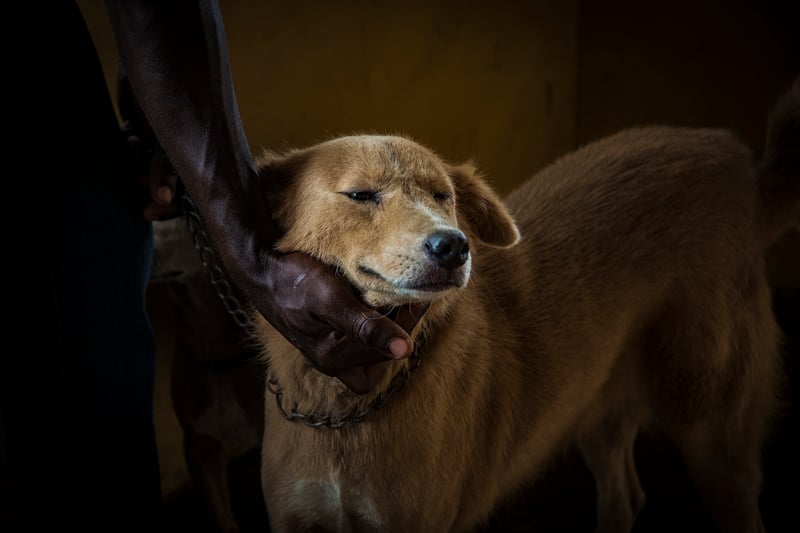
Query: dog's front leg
[[608, 452], [208, 468]]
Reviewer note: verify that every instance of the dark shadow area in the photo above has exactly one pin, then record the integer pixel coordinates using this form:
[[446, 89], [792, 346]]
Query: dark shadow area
[[187, 512]]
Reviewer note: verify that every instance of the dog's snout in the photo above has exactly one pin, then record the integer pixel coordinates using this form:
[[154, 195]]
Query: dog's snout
[[449, 248]]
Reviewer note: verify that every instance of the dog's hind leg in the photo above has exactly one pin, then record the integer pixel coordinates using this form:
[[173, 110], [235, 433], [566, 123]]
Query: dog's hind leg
[[722, 449], [727, 398], [725, 465], [608, 452], [208, 468]]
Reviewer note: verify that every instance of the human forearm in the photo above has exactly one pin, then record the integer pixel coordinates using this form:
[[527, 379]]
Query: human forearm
[[175, 55], [176, 59]]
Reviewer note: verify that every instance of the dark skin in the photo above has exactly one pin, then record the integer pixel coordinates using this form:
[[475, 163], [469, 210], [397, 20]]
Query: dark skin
[[176, 61]]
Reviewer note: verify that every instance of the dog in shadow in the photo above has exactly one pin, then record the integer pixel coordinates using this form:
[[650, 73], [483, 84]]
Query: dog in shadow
[[216, 385]]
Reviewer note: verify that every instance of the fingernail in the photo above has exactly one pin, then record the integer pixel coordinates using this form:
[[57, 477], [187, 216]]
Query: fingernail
[[165, 194], [398, 347]]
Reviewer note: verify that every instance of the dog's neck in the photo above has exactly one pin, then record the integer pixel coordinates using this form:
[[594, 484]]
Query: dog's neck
[[332, 408], [307, 396]]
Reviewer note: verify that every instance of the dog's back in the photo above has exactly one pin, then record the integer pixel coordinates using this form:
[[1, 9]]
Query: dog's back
[[636, 236]]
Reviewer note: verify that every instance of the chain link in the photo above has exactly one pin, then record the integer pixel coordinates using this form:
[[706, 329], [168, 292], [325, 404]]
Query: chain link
[[212, 263], [242, 316]]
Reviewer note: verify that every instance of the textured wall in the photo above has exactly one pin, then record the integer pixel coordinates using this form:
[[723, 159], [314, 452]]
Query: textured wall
[[708, 63], [489, 80]]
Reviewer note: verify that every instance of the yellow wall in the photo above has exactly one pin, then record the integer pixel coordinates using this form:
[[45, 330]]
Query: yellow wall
[[489, 80]]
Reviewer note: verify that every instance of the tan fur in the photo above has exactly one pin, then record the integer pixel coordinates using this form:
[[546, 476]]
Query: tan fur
[[635, 298]]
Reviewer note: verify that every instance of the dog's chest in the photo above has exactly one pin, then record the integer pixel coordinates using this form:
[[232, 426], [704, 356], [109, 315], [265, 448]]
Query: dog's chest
[[328, 502]]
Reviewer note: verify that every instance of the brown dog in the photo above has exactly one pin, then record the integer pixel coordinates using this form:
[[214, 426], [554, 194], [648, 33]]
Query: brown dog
[[621, 289], [217, 385]]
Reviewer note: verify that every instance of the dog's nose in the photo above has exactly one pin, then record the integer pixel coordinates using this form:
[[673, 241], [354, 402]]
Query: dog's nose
[[449, 248]]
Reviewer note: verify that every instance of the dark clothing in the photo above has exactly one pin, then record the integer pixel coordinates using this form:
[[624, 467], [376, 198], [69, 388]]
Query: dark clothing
[[76, 399]]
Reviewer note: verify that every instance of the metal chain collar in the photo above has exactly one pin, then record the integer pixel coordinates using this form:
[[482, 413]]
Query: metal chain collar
[[234, 306], [316, 420]]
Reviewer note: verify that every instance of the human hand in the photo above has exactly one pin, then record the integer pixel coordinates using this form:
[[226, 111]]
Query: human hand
[[147, 158], [322, 316], [161, 182]]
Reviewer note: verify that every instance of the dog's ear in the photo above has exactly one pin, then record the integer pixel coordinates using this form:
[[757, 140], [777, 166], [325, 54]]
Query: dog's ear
[[481, 209], [277, 173]]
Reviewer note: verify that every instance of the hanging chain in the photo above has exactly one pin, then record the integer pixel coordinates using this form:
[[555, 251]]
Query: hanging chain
[[212, 263], [234, 306]]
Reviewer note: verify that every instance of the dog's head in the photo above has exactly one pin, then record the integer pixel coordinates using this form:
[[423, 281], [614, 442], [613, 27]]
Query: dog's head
[[390, 215]]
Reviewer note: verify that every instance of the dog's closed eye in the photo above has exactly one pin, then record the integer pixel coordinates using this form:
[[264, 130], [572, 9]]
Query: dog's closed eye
[[363, 196]]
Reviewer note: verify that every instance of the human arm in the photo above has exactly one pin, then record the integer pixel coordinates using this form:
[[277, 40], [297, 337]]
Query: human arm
[[176, 60]]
